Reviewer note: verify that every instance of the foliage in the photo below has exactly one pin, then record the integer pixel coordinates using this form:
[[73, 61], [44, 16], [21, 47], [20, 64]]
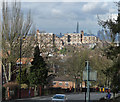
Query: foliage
[[24, 86], [115, 72], [101, 64], [74, 65], [111, 25], [24, 79], [55, 50], [113, 52], [38, 70], [63, 51]]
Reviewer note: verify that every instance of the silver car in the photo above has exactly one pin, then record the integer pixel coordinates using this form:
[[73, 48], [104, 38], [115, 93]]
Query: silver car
[[59, 98]]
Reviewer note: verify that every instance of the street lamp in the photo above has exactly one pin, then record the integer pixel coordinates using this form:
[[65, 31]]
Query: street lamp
[[21, 39]]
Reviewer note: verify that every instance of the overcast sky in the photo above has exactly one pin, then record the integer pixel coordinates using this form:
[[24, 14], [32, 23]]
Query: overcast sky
[[62, 17], [56, 17]]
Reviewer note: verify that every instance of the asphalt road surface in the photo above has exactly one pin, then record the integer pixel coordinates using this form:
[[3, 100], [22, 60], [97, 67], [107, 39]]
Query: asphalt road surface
[[71, 97]]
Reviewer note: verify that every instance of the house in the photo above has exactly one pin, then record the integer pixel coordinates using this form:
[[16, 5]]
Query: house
[[63, 82]]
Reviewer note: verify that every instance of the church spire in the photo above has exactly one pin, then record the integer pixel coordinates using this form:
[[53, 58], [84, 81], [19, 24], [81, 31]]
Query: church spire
[[77, 30]]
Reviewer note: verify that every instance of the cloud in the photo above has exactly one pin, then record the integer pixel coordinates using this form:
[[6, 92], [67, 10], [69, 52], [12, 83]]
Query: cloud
[[112, 10], [89, 7], [66, 0], [104, 5], [62, 16], [67, 14], [96, 8], [56, 11]]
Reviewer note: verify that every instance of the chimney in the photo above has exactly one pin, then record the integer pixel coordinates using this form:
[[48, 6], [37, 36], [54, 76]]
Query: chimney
[[37, 31], [37, 34], [82, 32]]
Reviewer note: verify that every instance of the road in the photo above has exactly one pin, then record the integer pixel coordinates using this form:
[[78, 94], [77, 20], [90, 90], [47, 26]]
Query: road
[[72, 97]]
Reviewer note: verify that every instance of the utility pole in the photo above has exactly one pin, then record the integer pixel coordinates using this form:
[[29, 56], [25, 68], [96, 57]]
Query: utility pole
[[88, 86], [88, 75]]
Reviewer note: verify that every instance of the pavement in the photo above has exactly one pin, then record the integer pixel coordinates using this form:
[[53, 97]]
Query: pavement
[[117, 98]]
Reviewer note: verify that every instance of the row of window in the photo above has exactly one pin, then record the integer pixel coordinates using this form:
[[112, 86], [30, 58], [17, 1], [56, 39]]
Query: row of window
[[61, 83]]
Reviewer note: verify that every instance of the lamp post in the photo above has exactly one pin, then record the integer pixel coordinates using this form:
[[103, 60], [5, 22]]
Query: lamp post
[[21, 39]]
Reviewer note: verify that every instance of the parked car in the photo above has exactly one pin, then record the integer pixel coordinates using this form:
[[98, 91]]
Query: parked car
[[59, 98]]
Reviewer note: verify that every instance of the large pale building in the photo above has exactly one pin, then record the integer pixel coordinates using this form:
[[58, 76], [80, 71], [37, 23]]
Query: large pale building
[[79, 39], [49, 40], [75, 39]]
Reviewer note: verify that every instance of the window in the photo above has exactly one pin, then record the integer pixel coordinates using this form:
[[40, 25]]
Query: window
[[66, 83], [69, 38], [60, 83], [54, 83]]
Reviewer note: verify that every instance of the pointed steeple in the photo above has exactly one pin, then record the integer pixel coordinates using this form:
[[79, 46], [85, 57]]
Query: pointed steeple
[[77, 30]]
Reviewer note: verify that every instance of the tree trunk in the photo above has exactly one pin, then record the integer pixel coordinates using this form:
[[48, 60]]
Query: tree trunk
[[9, 77], [113, 95], [75, 85], [35, 91], [81, 86], [81, 83], [5, 73]]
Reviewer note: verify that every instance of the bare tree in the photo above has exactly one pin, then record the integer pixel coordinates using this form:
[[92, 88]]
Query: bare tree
[[101, 64], [74, 66], [15, 27]]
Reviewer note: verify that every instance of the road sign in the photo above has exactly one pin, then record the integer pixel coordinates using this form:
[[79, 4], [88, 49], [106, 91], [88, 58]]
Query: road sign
[[92, 75]]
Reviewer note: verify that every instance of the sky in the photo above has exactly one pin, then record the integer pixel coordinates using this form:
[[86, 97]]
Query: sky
[[62, 16]]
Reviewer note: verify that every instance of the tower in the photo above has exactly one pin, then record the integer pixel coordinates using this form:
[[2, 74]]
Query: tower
[[119, 8], [77, 30]]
